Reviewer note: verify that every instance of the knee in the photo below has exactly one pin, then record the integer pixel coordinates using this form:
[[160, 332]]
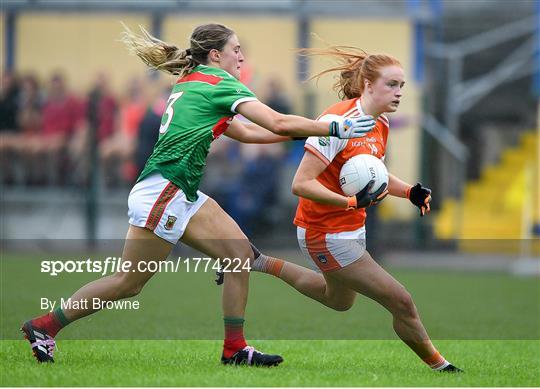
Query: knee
[[133, 290], [238, 256], [404, 304], [237, 264], [125, 287], [341, 306], [342, 303]]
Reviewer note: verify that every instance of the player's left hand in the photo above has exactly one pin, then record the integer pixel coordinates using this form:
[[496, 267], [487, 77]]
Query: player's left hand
[[420, 196]]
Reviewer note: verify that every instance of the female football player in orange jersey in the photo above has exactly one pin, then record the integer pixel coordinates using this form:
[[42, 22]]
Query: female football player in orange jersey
[[331, 226], [165, 205]]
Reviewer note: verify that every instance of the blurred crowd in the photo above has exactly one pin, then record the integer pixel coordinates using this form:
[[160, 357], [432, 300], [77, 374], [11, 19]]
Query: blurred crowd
[[49, 135], [47, 130]]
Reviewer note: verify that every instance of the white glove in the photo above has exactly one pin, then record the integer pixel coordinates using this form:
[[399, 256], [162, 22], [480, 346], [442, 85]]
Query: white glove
[[353, 127]]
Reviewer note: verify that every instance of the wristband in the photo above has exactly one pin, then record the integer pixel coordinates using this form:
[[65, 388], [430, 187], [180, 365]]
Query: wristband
[[351, 202], [333, 128], [408, 192]]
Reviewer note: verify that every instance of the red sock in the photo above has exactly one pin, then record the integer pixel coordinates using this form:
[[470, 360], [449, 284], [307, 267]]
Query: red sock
[[234, 336], [49, 323]]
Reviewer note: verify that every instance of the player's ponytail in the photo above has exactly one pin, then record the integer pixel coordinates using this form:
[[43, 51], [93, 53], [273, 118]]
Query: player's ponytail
[[160, 55], [354, 67]]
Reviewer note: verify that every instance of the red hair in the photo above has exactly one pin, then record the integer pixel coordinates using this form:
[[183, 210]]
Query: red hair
[[355, 66]]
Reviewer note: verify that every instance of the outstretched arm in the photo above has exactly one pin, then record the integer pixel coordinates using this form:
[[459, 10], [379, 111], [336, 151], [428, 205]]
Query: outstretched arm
[[253, 133], [298, 126]]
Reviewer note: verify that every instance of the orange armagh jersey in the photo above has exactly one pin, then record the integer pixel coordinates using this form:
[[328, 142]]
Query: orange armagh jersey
[[334, 152]]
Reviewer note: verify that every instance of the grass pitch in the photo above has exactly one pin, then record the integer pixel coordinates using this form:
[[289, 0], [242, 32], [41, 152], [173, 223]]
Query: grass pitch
[[307, 363]]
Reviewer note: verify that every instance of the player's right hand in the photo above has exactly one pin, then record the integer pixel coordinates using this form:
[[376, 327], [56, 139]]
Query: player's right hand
[[364, 199], [353, 127]]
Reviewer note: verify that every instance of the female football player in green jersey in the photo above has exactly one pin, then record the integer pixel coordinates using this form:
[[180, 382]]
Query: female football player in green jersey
[[165, 204]]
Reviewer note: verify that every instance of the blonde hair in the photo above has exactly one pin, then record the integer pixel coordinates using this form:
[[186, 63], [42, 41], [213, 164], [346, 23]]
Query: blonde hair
[[160, 55], [355, 66]]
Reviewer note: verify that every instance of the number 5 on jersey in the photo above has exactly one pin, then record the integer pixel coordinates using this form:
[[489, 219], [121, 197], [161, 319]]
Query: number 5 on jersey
[[169, 112]]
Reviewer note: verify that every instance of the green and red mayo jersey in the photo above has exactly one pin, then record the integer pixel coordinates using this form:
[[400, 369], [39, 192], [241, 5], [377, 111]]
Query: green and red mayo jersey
[[200, 109]]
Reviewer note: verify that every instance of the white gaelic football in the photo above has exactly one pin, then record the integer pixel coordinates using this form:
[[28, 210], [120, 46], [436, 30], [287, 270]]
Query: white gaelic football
[[359, 170]]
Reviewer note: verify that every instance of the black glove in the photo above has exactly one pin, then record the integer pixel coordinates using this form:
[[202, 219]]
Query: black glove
[[220, 276], [365, 199], [420, 196]]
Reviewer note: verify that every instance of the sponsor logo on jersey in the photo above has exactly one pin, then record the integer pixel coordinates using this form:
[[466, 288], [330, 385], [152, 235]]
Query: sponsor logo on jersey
[[324, 140], [374, 149], [360, 143], [169, 224], [322, 258]]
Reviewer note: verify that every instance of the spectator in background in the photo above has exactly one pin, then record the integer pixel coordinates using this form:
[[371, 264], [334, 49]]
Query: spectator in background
[[156, 101], [9, 96], [101, 115], [29, 123], [118, 150], [278, 99], [261, 163], [276, 96], [102, 108], [30, 106], [63, 115]]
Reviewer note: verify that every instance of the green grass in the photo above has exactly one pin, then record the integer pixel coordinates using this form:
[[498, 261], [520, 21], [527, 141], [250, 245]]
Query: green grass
[[307, 363], [496, 318]]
